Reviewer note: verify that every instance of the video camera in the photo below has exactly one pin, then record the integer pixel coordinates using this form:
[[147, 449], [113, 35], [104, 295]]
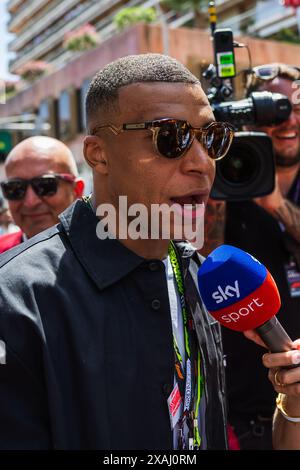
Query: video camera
[[248, 170]]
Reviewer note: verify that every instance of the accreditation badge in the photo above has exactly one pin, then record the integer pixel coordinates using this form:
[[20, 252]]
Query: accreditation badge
[[293, 278], [174, 405]]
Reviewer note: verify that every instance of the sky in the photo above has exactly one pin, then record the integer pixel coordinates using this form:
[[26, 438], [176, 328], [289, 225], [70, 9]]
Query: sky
[[5, 37]]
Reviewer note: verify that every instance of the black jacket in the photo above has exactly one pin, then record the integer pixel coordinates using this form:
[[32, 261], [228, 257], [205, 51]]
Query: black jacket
[[88, 338]]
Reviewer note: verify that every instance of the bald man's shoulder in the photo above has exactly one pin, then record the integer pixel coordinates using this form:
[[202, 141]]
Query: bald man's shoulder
[[10, 240]]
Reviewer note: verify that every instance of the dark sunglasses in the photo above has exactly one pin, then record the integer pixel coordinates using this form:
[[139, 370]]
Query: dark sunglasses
[[45, 185], [172, 138], [267, 73]]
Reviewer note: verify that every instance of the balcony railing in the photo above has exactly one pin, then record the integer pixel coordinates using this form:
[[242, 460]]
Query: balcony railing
[[58, 56], [224, 5], [236, 23], [270, 17], [26, 11], [56, 37], [12, 4], [270, 8], [276, 25], [52, 30], [57, 10], [106, 29]]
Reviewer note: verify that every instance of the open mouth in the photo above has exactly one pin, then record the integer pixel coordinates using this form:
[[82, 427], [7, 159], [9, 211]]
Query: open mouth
[[286, 135], [191, 206], [191, 200]]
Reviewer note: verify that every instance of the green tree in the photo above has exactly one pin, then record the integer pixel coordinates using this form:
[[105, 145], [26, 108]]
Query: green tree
[[132, 15], [199, 7]]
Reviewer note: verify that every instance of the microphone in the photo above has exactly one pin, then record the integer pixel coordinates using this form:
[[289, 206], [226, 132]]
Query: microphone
[[240, 293]]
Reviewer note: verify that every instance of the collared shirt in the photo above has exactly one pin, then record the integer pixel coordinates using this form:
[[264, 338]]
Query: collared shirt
[[89, 350]]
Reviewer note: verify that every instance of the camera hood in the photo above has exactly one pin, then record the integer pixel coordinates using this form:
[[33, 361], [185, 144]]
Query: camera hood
[[247, 171]]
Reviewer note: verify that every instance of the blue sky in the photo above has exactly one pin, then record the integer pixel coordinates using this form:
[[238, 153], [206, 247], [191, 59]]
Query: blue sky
[[5, 37]]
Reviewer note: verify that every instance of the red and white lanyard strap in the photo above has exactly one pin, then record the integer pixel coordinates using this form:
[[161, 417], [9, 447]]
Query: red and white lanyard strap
[[188, 376]]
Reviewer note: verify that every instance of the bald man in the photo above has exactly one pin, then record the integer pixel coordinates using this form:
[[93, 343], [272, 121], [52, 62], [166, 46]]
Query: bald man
[[42, 180]]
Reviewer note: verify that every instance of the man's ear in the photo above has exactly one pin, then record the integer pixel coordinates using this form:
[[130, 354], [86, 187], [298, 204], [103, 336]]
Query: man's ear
[[79, 187], [93, 150]]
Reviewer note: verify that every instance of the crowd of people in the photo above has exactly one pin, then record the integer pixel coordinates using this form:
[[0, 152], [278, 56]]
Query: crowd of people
[[105, 342]]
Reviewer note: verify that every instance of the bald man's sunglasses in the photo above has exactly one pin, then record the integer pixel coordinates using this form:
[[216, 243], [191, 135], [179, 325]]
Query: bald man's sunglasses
[[45, 185], [172, 138]]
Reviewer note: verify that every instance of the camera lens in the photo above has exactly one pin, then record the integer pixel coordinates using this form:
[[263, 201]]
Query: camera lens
[[260, 108], [241, 167], [270, 108], [247, 171]]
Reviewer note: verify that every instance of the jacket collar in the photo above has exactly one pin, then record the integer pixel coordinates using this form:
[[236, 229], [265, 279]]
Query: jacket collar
[[106, 261]]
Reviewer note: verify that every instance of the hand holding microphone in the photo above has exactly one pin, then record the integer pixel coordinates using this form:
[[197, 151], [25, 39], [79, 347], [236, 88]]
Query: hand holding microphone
[[241, 294]]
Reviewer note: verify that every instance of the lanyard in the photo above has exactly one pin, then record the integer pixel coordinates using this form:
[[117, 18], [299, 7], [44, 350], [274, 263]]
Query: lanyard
[[189, 378]]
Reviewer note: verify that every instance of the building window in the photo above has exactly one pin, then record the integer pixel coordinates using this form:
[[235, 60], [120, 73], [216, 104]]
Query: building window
[[27, 125], [47, 118], [82, 95], [67, 114]]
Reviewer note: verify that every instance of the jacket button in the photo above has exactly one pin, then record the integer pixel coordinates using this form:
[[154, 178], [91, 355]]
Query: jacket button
[[153, 266], [155, 304]]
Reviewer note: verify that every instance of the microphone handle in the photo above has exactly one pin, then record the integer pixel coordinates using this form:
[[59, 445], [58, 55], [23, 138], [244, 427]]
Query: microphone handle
[[274, 336]]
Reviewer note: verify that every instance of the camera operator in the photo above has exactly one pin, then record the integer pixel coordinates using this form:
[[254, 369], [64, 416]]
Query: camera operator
[[268, 228]]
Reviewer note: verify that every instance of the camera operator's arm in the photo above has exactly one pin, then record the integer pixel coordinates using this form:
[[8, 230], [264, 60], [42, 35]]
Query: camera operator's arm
[[214, 225], [283, 210]]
